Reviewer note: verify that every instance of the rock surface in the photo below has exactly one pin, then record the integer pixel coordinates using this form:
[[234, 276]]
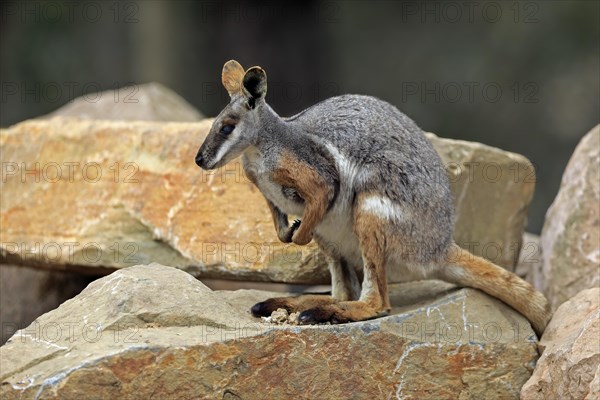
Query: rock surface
[[530, 258], [146, 102], [26, 293], [569, 367], [570, 239], [155, 332], [492, 189], [93, 196]]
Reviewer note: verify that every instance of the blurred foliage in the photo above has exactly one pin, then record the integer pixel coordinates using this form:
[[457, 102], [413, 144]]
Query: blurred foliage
[[520, 75]]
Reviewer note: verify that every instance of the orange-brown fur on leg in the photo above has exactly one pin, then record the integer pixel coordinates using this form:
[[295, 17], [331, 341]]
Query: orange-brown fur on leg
[[316, 194], [313, 189], [374, 299]]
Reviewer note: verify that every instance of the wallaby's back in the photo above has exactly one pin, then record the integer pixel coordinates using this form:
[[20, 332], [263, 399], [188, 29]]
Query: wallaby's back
[[392, 157]]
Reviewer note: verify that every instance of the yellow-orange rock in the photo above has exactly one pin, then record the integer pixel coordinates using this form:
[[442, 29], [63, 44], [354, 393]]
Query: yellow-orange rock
[[94, 196]]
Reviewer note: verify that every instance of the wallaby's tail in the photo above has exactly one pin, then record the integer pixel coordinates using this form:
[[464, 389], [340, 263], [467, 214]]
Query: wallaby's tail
[[466, 269]]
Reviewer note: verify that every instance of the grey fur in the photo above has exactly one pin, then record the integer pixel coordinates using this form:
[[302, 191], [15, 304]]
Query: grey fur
[[389, 208], [392, 152]]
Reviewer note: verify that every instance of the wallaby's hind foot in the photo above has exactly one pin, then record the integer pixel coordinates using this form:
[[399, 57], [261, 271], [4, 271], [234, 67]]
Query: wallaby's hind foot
[[340, 313], [290, 304]]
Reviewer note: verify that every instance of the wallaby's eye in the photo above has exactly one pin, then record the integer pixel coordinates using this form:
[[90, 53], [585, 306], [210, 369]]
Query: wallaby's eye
[[227, 129]]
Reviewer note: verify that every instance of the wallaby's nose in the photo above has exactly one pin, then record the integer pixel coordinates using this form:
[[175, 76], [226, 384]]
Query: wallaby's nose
[[199, 159]]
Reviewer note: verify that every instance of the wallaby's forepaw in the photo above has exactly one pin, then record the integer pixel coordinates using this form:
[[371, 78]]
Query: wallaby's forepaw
[[287, 234]]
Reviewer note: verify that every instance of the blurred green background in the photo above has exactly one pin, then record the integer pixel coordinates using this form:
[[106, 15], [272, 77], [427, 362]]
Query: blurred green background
[[519, 75]]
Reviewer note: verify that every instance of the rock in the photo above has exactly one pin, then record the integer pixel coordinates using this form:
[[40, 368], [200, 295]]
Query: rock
[[27, 293], [140, 198], [570, 239], [569, 367], [281, 316], [146, 102], [530, 257], [155, 332], [492, 189], [594, 392]]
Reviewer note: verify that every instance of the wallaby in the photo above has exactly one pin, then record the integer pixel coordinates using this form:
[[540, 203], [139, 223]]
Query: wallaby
[[370, 190]]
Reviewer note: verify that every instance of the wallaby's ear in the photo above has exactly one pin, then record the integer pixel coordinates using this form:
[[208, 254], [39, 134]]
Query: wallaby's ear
[[255, 83], [232, 77]]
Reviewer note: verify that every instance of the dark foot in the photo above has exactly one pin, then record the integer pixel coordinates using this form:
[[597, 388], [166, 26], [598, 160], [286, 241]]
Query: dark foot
[[340, 313], [265, 308], [290, 304], [323, 314]]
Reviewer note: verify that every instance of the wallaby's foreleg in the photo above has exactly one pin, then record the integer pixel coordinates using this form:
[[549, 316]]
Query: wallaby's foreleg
[[312, 188], [316, 195], [284, 230], [374, 298]]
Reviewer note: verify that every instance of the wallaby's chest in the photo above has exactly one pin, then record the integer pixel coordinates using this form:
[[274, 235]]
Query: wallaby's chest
[[286, 199]]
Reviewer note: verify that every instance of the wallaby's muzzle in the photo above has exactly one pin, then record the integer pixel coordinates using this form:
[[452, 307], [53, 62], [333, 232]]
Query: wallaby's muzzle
[[200, 159]]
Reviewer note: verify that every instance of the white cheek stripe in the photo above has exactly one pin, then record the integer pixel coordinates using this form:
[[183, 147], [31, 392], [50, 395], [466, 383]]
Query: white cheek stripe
[[225, 147], [382, 207]]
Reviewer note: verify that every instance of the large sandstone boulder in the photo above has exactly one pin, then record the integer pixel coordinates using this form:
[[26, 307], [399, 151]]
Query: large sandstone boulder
[[156, 332], [26, 293], [570, 239], [569, 367], [492, 189], [530, 258], [93, 196], [146, 102]]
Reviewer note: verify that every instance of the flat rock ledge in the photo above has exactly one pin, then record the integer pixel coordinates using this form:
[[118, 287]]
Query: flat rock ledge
[[155, 332]]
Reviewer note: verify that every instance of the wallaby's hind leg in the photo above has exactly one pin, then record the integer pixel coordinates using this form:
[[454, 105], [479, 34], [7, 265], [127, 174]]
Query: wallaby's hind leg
[[374, 299], [290, 304], [344, 285], [344, 282]]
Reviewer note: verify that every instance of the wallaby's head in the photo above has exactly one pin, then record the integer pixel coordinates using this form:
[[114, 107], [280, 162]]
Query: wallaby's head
[[237, 126]]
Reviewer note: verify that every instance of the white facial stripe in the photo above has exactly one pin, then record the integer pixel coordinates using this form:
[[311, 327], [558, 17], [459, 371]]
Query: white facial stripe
[[229, 142], [223, 150], [382, 207]]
